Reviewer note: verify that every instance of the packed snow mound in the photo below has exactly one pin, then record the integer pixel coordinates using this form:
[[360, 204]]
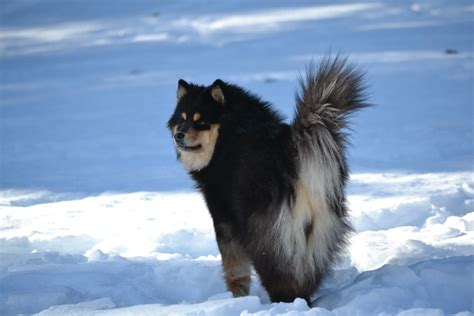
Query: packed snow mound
[[391, 288], [155, 253]]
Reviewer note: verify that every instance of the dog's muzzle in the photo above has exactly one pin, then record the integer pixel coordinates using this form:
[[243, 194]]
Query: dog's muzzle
[[179, 139]]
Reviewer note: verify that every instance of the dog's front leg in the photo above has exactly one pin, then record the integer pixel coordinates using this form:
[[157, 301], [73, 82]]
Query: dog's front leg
[[236, 263]]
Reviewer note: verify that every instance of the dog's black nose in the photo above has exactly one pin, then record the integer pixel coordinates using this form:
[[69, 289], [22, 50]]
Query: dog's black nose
[[179, 136]]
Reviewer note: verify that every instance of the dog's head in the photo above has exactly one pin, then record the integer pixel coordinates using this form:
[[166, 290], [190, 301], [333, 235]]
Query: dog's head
[[195, 123]]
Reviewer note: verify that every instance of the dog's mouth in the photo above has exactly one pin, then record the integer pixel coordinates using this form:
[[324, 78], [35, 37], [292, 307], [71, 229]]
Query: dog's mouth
[[189, 148]]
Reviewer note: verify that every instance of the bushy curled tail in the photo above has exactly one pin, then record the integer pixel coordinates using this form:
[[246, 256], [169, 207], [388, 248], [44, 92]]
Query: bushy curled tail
[[329, 94]]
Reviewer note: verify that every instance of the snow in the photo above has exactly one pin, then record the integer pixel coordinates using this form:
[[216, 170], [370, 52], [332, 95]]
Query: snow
[[155, 253], [97, 217]]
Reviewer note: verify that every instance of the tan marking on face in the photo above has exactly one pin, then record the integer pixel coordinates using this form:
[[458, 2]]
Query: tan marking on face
[[191, 137], [183, 115], [206, 138], [198, 159], [196, 116]]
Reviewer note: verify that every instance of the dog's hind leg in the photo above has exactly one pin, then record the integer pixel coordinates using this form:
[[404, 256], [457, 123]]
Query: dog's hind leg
[[281, 284]]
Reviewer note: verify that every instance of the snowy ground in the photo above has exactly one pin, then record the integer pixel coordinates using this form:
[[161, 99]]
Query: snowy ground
[[96, 217], [413, 249]]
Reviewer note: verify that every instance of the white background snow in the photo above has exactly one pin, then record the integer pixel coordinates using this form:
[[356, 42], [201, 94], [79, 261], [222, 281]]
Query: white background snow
[[97, 217]]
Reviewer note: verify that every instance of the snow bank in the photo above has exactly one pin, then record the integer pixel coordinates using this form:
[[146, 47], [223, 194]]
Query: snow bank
[[443, 284]]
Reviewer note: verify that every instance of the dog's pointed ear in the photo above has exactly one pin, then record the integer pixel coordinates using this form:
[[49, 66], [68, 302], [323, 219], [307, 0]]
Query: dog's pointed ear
[[183, 88], [216, 91]]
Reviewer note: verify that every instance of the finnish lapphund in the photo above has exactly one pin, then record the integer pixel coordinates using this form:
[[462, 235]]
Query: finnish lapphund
[[275, 191]]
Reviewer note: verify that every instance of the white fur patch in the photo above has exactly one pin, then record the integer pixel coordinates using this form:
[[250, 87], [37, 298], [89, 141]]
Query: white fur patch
[[317, 180], [197, 160]]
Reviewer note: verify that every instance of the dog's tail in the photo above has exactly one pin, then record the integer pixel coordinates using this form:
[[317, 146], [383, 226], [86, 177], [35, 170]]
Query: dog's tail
[[328, 96]]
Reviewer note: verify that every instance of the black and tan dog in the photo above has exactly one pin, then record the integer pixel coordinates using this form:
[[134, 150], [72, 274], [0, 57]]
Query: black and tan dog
[[275, 191]]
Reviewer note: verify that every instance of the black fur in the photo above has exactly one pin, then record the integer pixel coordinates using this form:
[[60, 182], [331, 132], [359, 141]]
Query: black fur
[[259, 167]]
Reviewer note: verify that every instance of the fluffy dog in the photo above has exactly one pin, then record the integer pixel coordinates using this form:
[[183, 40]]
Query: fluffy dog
[[275, 191]]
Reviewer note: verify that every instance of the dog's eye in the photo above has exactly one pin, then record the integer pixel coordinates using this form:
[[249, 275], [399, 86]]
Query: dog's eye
[[202, 125]]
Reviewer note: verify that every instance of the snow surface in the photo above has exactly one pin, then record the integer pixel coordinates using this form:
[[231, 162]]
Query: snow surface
[[97, 217], [100, 254]]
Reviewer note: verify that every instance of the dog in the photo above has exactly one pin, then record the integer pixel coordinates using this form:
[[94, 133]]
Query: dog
[[275, 191]]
